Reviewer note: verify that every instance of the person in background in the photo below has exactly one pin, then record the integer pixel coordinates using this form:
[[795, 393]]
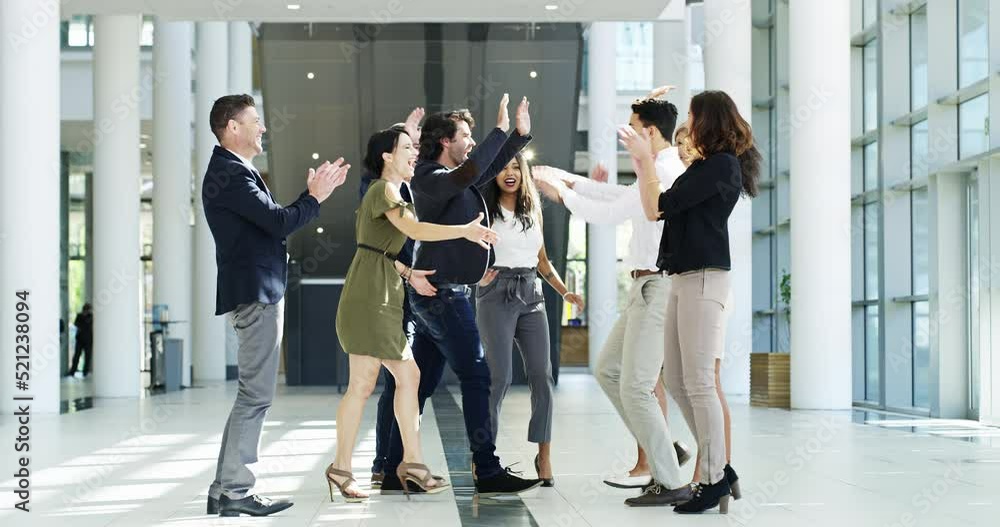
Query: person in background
[[84, 341], [510, 305]]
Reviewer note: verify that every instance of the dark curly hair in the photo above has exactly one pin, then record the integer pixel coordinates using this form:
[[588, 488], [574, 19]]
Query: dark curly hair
[[717, 126], [438, 126]]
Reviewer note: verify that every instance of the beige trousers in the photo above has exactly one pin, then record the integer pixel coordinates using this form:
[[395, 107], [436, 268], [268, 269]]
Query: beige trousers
[[695, 333]]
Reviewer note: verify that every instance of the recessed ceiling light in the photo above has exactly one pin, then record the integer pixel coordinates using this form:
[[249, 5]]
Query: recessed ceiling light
[[310, 75], [533, 74], [293, 7], [142, 145], [551, 7], [529, 154], [315, 155], [319, 230]]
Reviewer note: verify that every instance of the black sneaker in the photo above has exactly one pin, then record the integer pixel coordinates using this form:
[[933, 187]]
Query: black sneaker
[[377, 479], [707, 497], [504, 483], [391, 485], [657, 495]]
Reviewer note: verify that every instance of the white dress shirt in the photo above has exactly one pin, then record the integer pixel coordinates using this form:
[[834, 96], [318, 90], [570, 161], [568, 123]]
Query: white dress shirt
[[610, 204]]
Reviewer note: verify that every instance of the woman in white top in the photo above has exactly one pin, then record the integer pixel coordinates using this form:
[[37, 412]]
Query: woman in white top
[[510, 305]]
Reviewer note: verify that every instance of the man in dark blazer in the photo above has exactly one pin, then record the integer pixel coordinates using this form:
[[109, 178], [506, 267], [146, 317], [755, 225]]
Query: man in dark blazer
[[249, 229]]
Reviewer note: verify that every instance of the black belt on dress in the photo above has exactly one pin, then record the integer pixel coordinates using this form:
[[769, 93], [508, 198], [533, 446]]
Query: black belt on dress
[[386, 253]]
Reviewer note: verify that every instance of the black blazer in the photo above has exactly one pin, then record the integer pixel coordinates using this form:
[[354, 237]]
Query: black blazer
[[451, 197], [249, 229], [696, 209]]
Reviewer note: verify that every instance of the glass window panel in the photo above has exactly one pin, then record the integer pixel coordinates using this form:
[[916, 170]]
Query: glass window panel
[[871, 166], [870, 81], [146, 38], [973, 41], [869, 12], [857, 253], [973, 124], [871, 251], [76, 35], [858, 353], [919, 144], [974, 297], [634, 64], [872, 373], [918, 59], [921, 355], [920, 226]]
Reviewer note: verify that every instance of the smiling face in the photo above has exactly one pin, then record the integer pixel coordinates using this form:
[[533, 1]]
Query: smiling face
[[458, 147], [509, 179], [248, 131], [403, 158]]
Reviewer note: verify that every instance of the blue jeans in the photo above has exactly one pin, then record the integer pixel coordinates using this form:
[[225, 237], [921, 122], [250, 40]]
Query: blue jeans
[[444, 332]]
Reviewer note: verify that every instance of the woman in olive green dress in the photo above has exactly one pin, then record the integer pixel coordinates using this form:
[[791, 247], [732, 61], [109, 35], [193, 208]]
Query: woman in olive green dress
[[370, 313]]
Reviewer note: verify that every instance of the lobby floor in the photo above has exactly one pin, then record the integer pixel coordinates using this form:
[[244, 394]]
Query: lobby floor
[[149, 462]]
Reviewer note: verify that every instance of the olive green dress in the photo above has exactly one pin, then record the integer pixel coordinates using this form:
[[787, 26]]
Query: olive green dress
[[370, 313]]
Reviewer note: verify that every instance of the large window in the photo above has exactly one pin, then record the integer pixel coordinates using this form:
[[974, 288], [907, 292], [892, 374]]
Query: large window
[[973, 41], [918, 59], [870, 86], [973, 124], [78, 32]]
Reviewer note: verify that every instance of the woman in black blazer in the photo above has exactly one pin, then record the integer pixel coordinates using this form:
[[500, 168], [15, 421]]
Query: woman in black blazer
[[694, 250]]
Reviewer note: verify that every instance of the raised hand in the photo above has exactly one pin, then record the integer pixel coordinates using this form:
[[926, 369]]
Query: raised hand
[[549, 186], [412, 124], [323, 180], [523, 118], [491, 274], [600, 173], [478, 233], [418, 279], [660, 91], [503, 119], [639, 145]]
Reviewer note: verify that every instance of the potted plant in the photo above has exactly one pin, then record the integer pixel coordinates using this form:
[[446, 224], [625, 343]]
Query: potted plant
[[770, 372]]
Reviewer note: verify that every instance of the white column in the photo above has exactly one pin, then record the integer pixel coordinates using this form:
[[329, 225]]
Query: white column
[[670, 57], [29, 197], [118, 335], [172, 232], [240, 58], [240, 81], [820, 101], [602, 143], [727, 68], [211, 82]]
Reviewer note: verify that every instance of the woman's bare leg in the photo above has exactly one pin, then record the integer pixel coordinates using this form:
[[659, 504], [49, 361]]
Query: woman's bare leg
[[364, 374]]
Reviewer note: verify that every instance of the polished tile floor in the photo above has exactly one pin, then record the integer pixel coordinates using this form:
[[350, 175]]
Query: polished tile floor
[[148, 462]]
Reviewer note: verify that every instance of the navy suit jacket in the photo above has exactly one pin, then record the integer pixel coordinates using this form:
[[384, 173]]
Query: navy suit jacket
[[249, 229]]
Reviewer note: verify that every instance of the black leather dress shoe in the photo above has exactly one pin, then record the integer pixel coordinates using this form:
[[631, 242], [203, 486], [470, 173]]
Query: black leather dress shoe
[[213, 506], [252, 505]]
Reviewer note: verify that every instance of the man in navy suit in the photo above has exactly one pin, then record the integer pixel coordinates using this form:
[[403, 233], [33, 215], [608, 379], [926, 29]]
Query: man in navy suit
[[249, 229]]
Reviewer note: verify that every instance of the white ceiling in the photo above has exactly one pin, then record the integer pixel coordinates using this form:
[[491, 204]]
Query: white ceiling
[[377, 11]]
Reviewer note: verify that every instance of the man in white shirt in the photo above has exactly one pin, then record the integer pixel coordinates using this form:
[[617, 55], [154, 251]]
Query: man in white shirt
[[628, 368]]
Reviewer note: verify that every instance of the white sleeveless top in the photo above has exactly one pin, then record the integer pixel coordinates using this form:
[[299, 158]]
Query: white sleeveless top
[[516, 248]]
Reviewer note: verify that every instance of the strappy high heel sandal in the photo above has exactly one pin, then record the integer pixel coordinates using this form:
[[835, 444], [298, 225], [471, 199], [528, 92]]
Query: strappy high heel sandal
[[405, 476], [342, 487]]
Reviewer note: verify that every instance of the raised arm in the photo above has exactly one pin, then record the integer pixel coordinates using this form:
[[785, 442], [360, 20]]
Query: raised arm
[[642, 158]]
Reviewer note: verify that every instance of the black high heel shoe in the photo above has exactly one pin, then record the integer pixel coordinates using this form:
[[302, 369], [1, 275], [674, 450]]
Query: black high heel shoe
[[734, 482], [546, 482], [707, 497]]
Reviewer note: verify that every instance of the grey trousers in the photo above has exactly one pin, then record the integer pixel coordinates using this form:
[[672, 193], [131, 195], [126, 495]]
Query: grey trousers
[[258, 327], [510, 309], [628, 369], [694, 332]]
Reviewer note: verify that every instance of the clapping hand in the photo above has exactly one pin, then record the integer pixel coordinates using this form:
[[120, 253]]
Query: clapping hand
[[322, 181], [637, 144], [600, 173], [660, 91], [548, 185]]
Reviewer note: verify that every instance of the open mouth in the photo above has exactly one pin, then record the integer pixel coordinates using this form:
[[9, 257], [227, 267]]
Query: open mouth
[[412, 163], [510, 182]]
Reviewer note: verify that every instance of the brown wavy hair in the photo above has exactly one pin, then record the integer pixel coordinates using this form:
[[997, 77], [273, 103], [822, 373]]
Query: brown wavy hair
[[717, 127]]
